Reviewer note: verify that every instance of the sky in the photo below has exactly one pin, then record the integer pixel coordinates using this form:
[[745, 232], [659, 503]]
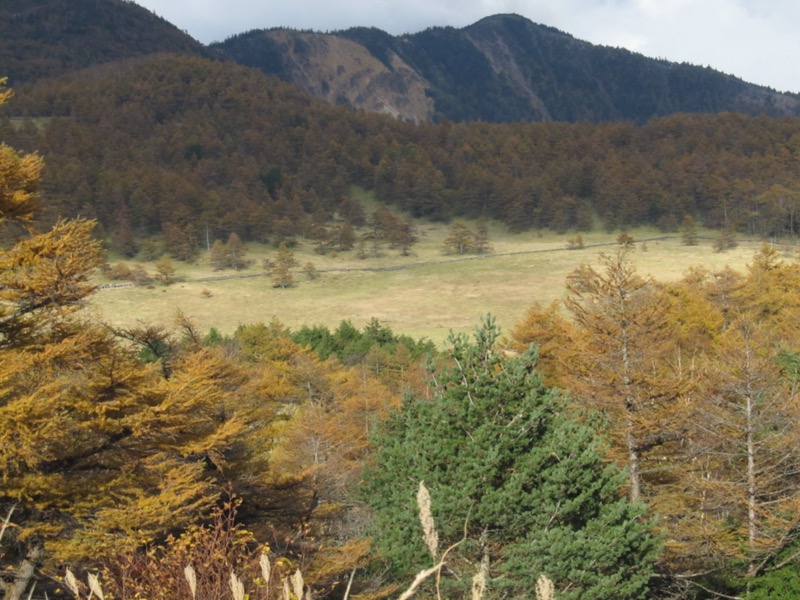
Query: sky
[[756, 40]]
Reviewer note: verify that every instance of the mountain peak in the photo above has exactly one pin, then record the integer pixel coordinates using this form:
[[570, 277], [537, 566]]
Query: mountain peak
[[508, 68], [502, 68]]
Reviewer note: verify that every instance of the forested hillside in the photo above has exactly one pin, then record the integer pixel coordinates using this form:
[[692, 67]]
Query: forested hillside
[[175, 146], [43, 38]]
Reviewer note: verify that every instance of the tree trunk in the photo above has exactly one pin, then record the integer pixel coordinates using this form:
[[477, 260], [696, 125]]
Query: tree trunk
[[635, 493], [751, 465], [24, 574], [630, 407], [751, 487]]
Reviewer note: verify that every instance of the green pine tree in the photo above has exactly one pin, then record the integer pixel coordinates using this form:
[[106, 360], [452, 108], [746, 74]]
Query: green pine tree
[[505, 465]]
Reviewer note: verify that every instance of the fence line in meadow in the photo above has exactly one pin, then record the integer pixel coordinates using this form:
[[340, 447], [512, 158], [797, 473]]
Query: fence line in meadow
[[402, 267]]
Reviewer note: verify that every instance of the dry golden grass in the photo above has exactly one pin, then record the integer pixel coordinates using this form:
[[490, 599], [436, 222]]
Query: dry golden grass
[[432, 296]]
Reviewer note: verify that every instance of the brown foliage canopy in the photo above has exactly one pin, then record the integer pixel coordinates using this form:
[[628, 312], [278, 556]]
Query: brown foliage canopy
[[697, 382], [178, 145]]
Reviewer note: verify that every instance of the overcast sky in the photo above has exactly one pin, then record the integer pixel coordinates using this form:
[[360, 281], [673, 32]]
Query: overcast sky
[[757, 40]]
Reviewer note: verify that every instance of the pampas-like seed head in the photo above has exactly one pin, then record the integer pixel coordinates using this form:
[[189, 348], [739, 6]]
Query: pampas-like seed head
[[298, 584], [478, 585], [266, 571], [426, 519], [94, 586], [287, 594], [237, 587], [191, 578], [544, 588], [72, 583]]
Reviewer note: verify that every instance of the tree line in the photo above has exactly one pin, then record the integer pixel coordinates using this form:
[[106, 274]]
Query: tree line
[[186, 148]]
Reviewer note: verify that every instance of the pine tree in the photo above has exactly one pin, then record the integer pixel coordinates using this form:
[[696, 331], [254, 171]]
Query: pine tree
[[507, 468]]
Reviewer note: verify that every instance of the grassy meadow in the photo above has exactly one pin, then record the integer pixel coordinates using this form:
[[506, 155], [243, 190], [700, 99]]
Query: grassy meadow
[[434, 294]]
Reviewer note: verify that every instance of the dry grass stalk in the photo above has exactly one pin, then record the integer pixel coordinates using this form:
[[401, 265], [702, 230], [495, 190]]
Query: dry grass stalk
[[191, 578], [349, 584], [72, 583], [94, 586], [6, 521], [421, 576], [426, 519], [266, 570], [237, 587], [298, 584], [544, 588]]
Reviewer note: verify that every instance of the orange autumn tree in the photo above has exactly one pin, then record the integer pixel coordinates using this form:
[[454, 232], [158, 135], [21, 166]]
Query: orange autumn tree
[[314, 454], [19, 177], [624, 362], [615, 343], [745, 441], [712, 377], [98, 452]]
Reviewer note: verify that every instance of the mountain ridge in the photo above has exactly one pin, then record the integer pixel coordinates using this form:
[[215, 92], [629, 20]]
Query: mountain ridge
[[506, 68], [502, 68]]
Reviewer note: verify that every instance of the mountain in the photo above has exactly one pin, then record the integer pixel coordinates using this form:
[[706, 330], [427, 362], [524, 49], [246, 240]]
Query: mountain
[[173, 143], [503, 68], [45, 38], [339, 68]]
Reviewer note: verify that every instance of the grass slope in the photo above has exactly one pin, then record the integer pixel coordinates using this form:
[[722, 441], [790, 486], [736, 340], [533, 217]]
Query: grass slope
[[432, 296]]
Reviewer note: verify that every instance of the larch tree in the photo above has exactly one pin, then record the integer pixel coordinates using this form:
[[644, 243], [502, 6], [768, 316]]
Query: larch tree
[[165, 271], [746, 447], [688, 229], [481, 242], [19, 178], [236, 252], [460, 239], [218, 255], [319, 457], [744, 439], [97, 451], [285, 261], [623, 367]]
